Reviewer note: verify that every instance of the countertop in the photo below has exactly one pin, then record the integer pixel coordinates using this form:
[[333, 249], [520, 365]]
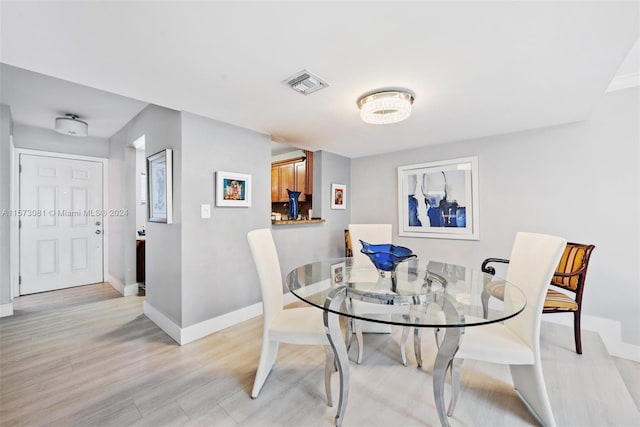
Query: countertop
[[300, 221]]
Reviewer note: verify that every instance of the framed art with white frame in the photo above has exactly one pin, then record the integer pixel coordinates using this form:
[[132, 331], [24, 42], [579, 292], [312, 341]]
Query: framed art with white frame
[[338, 272], [160, 183], [233, 189], [439, 199], [338, 196]]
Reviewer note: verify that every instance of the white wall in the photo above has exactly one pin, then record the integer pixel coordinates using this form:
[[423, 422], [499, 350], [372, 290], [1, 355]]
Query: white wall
[[49, 140], [141, 208], [580, 181]]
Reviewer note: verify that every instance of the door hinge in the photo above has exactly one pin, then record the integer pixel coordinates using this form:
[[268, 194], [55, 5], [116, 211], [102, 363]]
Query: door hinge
[[19, 223], [20, 168], [19, 280]]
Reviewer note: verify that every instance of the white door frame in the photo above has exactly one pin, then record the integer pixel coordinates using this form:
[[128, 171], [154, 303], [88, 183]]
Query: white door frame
[[15, 191]]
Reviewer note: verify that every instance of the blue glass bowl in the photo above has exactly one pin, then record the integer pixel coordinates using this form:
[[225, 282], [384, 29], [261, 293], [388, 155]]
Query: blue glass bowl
[[386, 257]]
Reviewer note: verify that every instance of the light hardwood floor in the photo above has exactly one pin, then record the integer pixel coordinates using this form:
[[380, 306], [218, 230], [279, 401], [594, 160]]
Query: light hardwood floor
[[86, 356]]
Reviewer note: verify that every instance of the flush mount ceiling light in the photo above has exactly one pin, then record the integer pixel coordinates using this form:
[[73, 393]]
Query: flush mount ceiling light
[[385, 106], [70, 125]]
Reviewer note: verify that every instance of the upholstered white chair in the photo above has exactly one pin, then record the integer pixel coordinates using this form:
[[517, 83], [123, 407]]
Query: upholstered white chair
[[303, 326], [516, 342], [375, 234]]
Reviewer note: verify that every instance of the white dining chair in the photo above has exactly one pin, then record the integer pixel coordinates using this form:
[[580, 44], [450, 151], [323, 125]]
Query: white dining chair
[[303, 326], [375, 234], [516, 342]]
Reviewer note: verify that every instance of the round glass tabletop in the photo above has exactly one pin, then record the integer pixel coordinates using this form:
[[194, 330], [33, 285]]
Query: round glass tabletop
[[421, 293]]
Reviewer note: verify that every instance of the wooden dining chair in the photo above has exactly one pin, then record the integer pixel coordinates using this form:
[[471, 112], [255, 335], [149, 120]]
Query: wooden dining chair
[[304, 326], [567, 285]]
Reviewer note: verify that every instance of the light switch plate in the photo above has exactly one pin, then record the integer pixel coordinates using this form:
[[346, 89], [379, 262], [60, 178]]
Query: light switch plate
[[205, 211]]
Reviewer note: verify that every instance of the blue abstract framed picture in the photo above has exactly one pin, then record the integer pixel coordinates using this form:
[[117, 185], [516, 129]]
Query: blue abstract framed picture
[[439, 199], [233, 189]]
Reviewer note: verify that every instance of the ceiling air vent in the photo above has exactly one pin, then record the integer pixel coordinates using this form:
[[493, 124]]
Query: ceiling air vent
[[305, 82]]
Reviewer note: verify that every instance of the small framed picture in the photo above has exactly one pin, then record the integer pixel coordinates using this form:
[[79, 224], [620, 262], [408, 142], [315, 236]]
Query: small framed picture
[[338, 196], [337, 273], [233, 189]]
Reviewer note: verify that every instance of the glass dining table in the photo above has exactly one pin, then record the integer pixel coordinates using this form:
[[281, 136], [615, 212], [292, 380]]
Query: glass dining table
[[435, 295]]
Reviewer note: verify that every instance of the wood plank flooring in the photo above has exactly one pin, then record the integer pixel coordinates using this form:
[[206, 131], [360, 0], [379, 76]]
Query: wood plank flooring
[[86, 356]]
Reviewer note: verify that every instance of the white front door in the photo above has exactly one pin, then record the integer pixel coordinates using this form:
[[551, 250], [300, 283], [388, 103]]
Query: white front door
[[61, 223]]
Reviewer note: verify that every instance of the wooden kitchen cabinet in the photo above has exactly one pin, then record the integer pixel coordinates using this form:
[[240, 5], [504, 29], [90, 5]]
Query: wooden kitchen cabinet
[[290, 175]]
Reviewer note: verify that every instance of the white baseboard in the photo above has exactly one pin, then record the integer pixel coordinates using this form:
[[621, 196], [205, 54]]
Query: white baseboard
[[124, 290], [131, 289], [191, 333], [163, 322], [202, 329], [624, 81], [6, 309], [610, 331]]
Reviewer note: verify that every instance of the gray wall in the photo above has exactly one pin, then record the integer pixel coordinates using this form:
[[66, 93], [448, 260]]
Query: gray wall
[[302, 244], [162, 129], [580, 181], [49, 140], [198, 269], [218, 275], [5, 191]]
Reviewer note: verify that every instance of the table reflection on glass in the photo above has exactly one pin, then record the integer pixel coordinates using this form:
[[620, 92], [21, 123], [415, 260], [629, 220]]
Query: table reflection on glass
[[438, 295]]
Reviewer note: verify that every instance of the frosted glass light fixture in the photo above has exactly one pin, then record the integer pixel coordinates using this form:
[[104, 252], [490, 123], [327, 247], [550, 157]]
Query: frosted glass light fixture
[[70, 125], [385, 106]]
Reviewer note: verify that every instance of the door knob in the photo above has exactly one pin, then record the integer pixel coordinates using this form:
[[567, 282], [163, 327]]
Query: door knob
[[98, 231], [97, 222]]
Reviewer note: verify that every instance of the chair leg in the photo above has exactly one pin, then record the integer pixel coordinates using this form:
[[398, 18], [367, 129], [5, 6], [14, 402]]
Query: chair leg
[[329, 368], [403, 341], [576, 331], [484, 297], [359, 340], [529, 384], [267, 359]]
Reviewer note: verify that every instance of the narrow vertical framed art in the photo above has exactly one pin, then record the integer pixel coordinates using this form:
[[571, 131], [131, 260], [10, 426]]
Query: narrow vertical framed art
[[338, 196], [160, 182]]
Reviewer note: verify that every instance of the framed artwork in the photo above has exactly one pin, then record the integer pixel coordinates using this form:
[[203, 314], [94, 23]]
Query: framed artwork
[[338, 196], [160, 184], [337, 273], [233, 189], [439, 199]]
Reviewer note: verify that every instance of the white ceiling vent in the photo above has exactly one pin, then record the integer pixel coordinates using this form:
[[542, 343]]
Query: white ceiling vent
[[305, 82]]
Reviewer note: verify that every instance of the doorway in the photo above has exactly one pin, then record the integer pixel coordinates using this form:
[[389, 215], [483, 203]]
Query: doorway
[[61, 221]]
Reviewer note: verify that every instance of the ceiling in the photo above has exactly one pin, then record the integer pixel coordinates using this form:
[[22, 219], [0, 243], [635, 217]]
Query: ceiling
[[477, 68]]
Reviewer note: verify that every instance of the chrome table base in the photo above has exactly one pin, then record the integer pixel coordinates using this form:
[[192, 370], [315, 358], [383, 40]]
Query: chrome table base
[[444, 359]]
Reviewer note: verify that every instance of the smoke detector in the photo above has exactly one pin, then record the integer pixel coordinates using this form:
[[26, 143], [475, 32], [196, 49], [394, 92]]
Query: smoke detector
[[70, 125], [305, 82]]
